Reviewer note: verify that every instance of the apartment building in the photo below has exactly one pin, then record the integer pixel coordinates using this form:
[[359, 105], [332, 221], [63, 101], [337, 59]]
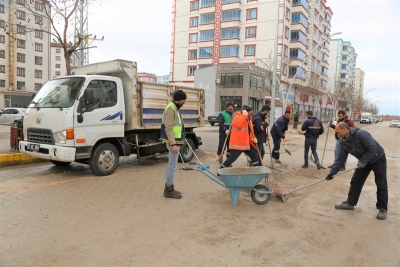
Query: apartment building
[[358, 92], [164, 79], [147, 77], [24, 51], [211, 32], [57, 61]]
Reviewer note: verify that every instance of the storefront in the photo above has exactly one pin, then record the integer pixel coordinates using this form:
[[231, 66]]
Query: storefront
[[15, 99]]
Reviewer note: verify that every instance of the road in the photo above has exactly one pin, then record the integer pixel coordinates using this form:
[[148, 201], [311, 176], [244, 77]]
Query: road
[[53, 216]]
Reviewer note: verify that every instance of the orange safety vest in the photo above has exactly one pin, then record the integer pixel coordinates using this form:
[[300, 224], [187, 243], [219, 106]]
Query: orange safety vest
[[241, 136]]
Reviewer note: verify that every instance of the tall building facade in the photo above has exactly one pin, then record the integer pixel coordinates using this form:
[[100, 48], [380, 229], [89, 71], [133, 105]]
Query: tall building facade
[[359, 92], [57, 61], [24, 51], [212, 32]]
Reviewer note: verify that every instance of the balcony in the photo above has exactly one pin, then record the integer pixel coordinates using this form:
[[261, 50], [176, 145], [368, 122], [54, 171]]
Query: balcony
[[303, 3], [230, 1]]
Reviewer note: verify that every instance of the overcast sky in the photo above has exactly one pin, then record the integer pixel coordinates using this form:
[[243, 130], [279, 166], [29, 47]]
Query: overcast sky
[[140, 30]]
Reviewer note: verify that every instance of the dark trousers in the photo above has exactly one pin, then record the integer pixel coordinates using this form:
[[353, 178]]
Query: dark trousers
[[234, 155], [358, 180], [310, 142], [277, 146], [261, 149], [222, 138]]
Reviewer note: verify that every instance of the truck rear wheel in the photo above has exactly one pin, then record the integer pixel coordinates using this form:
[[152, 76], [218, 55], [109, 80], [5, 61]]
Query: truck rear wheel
[[187, 153], [104, 160], [60, 163]]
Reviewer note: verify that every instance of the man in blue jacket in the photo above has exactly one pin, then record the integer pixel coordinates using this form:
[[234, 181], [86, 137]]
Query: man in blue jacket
[[224, 122], [371, 157], [261, 122], [314, 129], [278, 132]]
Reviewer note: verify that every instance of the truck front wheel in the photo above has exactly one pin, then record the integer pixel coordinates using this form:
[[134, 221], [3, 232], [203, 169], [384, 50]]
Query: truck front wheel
[[104, 160], [187, 152]]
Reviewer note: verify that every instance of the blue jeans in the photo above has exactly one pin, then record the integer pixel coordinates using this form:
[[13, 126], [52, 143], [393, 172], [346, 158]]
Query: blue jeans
[[337, 149], [310, 142], [172, 162]]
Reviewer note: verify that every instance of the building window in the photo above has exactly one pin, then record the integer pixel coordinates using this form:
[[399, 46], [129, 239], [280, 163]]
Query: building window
[[2, 39], [345, 57], [2, 83], [345, 48], [204, 66], [1, 8], [298, 36], [285, 51], [20, 43], [205, 52], [194, 22], [287, 14], [251, 14], [20, 14], [38, 86], [21, 2], [345, 66], [231, 80], [230, 33], [58, 58], [207, 18], [299, 18], [21, 72], [39, 20], [58, 50], [39, 5], [344, 75], [38, 74], [286, 32], [21, 29], [58, 73], [251, 32], [2, 54], [38, 47], [2, 24], [194, 5], [343, 84], [20, 85], [38, 60], [2, 68], [300, 72], [58, 66], [256, 82], [39, 34], [324, 71], [192, 54], [206, 35], [192, 38], [297, 54], [250, 50], [20, 57], [231, 15], [229, 51], [205, 3], [284, 69], [191, 70]]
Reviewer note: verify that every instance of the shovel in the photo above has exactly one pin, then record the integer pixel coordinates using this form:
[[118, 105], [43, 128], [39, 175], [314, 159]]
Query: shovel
[[223, 148], [287, 151], [284, 195]]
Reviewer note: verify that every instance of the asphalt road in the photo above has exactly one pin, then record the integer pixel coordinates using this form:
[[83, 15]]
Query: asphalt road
[[52, 216]]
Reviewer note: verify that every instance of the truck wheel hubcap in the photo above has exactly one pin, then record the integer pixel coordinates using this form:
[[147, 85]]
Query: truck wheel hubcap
[[106, 159]]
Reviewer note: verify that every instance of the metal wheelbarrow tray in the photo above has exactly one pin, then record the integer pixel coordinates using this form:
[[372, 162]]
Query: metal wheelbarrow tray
[[236, 179]]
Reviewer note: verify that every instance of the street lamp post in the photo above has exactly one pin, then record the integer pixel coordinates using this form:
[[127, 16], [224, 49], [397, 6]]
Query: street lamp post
[[294, 77], [273, 89], [362, 98]]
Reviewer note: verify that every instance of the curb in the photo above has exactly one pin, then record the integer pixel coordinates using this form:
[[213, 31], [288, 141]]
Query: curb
[[18, 159]]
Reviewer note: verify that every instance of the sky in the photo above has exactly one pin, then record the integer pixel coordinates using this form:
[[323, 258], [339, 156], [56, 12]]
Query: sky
[[140, 30]]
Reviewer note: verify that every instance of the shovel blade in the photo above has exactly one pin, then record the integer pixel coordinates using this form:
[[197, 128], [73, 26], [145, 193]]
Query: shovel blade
[[287, 151]]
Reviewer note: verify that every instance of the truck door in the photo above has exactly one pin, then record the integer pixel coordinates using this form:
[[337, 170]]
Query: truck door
[[103, 118]]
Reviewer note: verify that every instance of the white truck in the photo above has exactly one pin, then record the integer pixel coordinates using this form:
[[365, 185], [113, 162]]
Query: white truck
[[366, 117], [380, 117], [103, 112]]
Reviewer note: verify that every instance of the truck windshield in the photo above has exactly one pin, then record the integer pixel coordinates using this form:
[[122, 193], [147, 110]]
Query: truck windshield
[[59, 93]]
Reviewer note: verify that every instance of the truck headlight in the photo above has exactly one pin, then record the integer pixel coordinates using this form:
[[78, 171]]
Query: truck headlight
[[60, 137]]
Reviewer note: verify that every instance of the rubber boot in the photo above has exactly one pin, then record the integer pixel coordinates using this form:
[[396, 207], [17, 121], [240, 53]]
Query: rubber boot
[[170, 192]]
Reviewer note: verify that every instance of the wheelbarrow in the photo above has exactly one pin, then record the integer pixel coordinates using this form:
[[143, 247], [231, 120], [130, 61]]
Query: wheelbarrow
[[236, 179]]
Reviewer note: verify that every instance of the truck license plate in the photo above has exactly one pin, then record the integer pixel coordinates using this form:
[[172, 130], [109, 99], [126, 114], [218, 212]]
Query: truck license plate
[[32, 147]]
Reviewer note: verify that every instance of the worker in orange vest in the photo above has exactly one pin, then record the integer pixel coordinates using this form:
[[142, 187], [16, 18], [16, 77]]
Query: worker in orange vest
[[242, 138]]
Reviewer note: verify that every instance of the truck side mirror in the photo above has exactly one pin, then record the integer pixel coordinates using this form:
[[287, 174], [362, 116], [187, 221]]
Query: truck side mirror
[[88, 96]]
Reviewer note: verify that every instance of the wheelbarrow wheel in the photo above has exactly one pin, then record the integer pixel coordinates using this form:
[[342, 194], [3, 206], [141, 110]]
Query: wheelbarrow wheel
[[258, 198]]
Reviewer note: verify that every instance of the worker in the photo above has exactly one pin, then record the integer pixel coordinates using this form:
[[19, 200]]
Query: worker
[[242, 138], [341, 118], [173, 132], [371, 157], [278, 131], [261, 122], [224, 123], [314, 129]]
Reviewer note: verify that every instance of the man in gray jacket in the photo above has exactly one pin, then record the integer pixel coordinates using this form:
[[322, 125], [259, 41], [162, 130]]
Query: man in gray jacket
[[371, 157]]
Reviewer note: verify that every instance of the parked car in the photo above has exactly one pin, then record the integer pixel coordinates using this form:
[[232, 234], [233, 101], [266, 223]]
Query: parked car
[[394, 123], [213, 118], [9, 115]]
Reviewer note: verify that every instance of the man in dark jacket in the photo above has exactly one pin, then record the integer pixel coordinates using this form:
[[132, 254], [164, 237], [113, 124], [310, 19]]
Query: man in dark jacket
[[314, 129], [341, 118], [371, 157], [278, 132], [261, 123], [224, 122]]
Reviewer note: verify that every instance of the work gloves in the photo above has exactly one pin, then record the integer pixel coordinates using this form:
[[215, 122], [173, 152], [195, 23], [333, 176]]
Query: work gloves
[[227, 132], [284, 140], [360, 165], [329, 177], [255, 141]]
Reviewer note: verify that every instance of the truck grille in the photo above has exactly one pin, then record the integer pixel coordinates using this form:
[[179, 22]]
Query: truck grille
[[40, 136]]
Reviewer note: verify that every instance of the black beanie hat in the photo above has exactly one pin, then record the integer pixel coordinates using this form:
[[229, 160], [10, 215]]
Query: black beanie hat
[[179, 95]]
